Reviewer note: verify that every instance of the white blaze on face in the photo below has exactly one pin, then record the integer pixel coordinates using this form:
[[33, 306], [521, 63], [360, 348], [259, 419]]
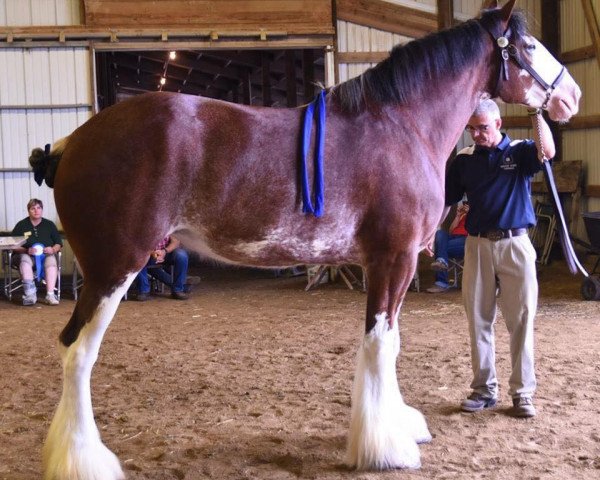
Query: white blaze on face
[[546, 66]]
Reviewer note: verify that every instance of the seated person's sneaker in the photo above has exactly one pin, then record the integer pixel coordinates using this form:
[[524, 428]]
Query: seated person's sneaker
[[143, 296], [30, 299], [522, 407], [51, 299], [438, 287], [179, 296], [440, 265], [476, 402]]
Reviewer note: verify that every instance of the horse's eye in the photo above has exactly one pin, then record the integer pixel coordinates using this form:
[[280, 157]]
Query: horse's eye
[[530, 48]]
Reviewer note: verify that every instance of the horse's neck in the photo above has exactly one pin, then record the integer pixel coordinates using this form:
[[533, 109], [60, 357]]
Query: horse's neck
[[450, 105]]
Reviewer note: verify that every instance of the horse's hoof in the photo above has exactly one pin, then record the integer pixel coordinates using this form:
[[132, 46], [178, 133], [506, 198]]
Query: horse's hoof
[[415, 424]]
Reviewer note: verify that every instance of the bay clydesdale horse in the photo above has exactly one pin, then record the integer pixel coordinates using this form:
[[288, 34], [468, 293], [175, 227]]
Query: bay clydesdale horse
[[224, 179]]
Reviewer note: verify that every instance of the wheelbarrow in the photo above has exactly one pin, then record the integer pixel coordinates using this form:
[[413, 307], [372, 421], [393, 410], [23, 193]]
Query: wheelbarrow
[[590, 288]]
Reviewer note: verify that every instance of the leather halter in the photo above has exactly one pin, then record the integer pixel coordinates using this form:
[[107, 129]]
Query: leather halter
[[509, 50]]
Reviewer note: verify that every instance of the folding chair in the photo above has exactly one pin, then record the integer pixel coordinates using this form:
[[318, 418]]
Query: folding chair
[[13, 282], [77, 282], [542, 235], [155, 284], [455, 270]]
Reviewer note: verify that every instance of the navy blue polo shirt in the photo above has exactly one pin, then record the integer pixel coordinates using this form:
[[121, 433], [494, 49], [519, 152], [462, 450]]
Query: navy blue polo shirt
[[497, 182]]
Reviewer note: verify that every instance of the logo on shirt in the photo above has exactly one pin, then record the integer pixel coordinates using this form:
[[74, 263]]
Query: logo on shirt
[[508, 163]]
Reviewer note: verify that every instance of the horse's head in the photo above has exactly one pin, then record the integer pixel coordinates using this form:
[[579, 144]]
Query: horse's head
[[529, 74]]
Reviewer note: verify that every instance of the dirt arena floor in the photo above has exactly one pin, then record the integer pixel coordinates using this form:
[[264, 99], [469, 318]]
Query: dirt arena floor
[[251, 378]]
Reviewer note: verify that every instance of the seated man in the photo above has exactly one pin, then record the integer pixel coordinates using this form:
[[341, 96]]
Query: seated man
[[167, 252], [449, 245], [38, 231]]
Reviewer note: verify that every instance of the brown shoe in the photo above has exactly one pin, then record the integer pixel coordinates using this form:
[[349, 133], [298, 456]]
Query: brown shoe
[[179, 296]]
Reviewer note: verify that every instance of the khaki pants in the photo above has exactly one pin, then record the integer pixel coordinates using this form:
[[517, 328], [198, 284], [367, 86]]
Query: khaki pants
[[511, 263]]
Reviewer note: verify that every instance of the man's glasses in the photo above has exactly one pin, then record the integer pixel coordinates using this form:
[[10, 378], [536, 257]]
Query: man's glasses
[[478, 128]]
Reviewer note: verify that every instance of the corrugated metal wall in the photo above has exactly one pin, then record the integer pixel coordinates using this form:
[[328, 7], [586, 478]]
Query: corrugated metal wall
[[39, 12], [45, 94], [583, 144]]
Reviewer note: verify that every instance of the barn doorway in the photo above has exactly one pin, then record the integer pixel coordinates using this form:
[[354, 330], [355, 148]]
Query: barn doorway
[[273, 78]]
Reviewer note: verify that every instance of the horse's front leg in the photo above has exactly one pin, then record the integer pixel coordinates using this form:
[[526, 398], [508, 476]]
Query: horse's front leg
[[384, 431], [73, 449]]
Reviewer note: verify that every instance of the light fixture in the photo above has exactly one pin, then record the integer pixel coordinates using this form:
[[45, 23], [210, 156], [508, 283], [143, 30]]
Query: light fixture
[[163, 80], [172, 55]]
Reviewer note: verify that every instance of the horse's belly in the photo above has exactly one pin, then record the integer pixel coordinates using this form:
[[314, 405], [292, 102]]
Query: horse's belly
[[276, 248]]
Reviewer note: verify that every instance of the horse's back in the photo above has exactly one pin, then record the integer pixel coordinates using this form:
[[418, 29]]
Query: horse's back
[[224, 175]]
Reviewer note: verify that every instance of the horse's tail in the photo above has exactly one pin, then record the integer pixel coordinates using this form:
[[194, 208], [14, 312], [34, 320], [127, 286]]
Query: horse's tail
[[45, 162]]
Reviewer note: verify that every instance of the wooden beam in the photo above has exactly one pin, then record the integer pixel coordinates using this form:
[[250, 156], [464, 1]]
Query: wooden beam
[[15, 36], [581, 122], [592, 191], [578, 54], [551, 25], [445, 17], [362, 57], [295, 15], [387, 16], [516, 122], [576, 123], [592, 23]]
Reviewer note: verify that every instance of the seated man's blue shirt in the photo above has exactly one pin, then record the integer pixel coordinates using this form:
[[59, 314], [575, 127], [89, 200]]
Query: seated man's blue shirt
[[497, 182]]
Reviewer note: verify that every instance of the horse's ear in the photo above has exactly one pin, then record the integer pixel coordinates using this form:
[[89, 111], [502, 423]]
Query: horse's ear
[[506, 11]]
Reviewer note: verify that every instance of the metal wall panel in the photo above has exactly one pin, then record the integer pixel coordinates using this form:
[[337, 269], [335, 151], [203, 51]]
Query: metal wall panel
[[582, 144], [575, 33], [45, 94], [356, 38], [39, 12]]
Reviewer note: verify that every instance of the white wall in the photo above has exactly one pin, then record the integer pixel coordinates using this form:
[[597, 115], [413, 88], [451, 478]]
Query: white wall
[[39, 12], [44, 95]]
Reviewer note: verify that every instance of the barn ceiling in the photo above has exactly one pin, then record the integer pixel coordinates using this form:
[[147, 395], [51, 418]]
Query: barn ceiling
[[258, 77]]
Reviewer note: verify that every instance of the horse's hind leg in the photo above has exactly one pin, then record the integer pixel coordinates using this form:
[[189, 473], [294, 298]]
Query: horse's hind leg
[[384, 431], [73, 449]]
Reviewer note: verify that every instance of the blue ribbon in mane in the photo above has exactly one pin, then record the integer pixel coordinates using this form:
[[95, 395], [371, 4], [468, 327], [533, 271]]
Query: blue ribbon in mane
[[316, 107]]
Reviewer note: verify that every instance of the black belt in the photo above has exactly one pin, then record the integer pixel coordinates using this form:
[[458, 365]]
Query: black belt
[[495, 235]]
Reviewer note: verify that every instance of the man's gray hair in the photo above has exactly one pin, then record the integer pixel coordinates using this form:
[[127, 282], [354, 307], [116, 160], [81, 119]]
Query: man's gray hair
[[487, 107]]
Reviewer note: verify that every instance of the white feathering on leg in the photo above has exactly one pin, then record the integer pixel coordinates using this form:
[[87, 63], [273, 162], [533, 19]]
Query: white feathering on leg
[[383, 429], [73, 449]]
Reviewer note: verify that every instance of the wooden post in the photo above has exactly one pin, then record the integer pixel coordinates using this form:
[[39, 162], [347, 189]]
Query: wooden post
[[246, 87], [445, 9], [308, 68], [551, 39], [266, 79], [290, 78]]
